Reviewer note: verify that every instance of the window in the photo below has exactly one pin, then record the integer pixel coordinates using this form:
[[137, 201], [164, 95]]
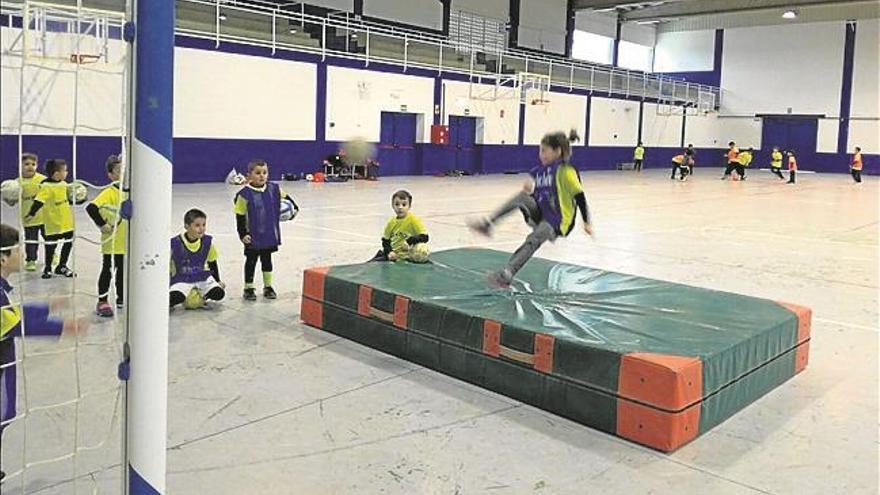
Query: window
[[592, 47], [635, 56]]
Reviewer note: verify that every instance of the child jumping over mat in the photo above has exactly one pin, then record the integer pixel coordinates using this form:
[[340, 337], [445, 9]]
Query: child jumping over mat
[[195, 273], [257, 218], [405, 237], [547, 202]]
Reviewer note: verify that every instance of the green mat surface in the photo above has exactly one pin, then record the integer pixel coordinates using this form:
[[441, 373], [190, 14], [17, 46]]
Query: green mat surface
[[673, 352]]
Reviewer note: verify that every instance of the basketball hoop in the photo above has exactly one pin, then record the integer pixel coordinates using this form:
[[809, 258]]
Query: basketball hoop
[[540, 101], [83, 58]]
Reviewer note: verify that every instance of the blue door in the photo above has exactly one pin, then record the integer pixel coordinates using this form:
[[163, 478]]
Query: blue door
[[462, 140], [397, 140], [791, 133]]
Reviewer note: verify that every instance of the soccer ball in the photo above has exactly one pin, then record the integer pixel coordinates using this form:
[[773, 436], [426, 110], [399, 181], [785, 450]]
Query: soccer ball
[[194, 300], [419, 253], [358, 151], [10, 191], [77, 193], [288, 212]]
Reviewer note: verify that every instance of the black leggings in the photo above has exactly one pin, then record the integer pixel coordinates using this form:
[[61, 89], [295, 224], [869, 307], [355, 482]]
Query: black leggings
[[777, 171], [32, 241], [731, 166], [250, 264], [176, 297], [51, 240], [111, 262], [857, 175], [792, 175], [637, 164]]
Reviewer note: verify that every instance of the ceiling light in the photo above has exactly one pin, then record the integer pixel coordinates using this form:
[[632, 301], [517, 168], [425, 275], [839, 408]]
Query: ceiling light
[[789, 14], [354, 35], [293, 30], [222, 16]]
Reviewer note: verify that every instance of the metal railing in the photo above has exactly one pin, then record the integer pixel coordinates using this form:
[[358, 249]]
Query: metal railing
[[344, 35]]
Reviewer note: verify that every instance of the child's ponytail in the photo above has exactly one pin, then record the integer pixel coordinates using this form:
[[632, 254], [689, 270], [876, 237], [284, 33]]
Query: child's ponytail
[[562, 142]]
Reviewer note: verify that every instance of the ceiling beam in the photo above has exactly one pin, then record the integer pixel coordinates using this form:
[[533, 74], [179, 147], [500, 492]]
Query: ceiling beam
[[710, 7], [594, 4]]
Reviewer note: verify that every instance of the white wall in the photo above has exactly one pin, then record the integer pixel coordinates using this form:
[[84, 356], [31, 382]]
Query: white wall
[[425, 13], [496, 9], [500, 117], [347, 5], [592, 47], [542, 25], [769, 69], [49, 95], [712, 131], [866, 70], [634, 56], [613, 122], [356, 99], [601, 23], [660, 130], [826, 135], [864, 134], [645, 35], [563, 113], [222, 95], [685, 51]]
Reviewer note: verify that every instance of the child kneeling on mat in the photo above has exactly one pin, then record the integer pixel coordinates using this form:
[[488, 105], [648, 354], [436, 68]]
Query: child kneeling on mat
[[195, 276], [405, 237]]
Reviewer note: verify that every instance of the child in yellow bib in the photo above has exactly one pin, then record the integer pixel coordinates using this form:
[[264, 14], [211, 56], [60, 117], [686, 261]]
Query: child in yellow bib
[[30, 181], [104, 211], [405, 237], [776, 162], [55, 202]]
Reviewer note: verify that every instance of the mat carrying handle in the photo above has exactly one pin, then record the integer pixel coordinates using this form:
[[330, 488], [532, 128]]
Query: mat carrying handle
[[365, 308], [541, 359]]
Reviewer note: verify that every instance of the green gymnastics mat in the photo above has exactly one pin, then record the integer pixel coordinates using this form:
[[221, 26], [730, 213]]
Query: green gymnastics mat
[[654, 362]]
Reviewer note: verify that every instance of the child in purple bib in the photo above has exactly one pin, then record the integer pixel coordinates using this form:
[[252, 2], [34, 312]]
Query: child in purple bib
[[257, 217]]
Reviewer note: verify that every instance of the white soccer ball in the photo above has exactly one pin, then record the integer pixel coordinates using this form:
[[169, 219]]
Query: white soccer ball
[[288, 212], [358, 151], [10, 191], [310, 177], [77, 193]]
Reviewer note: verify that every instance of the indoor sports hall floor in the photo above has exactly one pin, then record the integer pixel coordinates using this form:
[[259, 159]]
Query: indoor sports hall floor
[[261, 404]]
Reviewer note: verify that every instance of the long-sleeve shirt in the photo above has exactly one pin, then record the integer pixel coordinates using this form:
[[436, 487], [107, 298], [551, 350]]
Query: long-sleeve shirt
[[31, 319]]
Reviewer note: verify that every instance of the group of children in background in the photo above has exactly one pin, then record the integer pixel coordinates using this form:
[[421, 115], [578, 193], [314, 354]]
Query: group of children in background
[[739, 161], [47, 210]]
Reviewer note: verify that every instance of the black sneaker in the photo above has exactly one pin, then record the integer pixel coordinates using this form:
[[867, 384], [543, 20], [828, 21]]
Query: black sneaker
[[46, 275], [249, 294], [482, 226], [269, 293], [64, 271]]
